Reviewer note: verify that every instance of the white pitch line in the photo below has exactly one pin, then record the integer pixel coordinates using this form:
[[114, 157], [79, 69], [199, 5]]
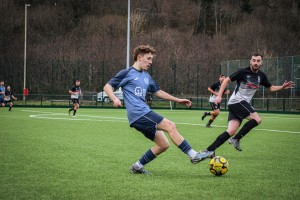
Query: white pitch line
[[62, 114], [118, 119], [256, 129], [75, 119]]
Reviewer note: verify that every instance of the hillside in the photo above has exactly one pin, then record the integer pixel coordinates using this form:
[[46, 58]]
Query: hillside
[[86, 39]]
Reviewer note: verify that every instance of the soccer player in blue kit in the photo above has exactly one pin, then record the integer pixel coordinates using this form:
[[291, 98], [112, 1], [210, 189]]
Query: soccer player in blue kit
[[248, 81], [136, 82], [2, 93]]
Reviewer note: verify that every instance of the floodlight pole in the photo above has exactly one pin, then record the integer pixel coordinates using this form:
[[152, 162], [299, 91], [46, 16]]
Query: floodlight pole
[[128, 36], [25, 43]]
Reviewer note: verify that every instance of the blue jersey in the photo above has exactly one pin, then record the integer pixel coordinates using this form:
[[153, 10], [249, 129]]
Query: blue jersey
[[2, 89], [135, 85]]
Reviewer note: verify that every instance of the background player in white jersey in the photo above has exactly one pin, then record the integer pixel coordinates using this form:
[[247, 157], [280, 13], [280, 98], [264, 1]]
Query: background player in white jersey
[[136, 82], [75, 91], [214, 89], [9, 97], [248, 81]]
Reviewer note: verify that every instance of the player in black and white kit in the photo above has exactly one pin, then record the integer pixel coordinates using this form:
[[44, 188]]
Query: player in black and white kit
[[214, 89], [9, 97], [248, 81], [75, 91]]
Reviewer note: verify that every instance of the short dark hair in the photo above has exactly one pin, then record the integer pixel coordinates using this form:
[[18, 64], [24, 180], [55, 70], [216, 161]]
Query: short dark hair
[[222, 75], [258, 54], [142, 49]]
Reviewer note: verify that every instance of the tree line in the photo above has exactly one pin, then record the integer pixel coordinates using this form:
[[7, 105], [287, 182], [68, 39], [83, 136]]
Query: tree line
[[86, 39]]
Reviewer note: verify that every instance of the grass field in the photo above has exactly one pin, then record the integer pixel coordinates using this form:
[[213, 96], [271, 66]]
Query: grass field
[[47, 154]]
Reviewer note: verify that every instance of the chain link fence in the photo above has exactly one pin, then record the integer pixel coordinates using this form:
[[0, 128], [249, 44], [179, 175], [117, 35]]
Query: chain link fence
[[51, 81]]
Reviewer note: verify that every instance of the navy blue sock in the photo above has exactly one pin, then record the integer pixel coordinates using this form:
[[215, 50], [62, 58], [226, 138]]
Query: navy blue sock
[[147, 157], [185, 147], [74, 112]]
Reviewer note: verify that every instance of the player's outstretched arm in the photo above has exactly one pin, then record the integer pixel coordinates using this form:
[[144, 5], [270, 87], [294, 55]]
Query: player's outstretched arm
[[211, 91], [285, 85], [187, 102], [162, 94], [222, 88], [110, 93]]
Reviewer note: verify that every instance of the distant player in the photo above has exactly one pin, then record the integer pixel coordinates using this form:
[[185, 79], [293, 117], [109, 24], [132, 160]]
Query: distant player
[[248, 81], [75, 91], [9, 97], [2, 93], [214, 89]]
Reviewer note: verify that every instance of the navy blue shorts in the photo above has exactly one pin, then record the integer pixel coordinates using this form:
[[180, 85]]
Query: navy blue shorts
[[147, 124], [2, 100], [215, 106], [240, 111]]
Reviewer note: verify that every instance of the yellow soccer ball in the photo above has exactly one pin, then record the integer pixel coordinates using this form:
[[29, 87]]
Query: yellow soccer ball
[[218, 166]]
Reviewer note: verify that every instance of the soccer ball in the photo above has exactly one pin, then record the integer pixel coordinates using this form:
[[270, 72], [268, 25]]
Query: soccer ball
[[218, 166]]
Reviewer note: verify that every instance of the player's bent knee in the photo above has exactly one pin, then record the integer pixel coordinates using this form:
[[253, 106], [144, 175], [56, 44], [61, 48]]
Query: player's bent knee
[[171, 127], [216, 112], [231, 132], [258, 121]]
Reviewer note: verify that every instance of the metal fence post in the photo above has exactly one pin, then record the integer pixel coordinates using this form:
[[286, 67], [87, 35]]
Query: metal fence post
[[197, 86], [174, 82]]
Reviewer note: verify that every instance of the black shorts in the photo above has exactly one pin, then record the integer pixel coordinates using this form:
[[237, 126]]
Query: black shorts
[[75, 101], [2, 100], [215, 106], [147, 124], [8, 102], [240, 111]]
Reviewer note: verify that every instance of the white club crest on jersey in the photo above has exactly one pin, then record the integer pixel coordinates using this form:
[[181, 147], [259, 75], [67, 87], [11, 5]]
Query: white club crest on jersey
[[146, 80], [138, 91]]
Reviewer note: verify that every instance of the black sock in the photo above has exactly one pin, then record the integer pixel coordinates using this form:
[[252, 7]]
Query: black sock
[[219, 141], [9, 108], [71, 109], [209, 122], [245, 129], [74, 112], [208, 114]]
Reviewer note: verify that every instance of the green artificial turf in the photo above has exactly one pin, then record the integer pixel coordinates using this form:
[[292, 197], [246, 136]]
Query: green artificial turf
[[47, 154]]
